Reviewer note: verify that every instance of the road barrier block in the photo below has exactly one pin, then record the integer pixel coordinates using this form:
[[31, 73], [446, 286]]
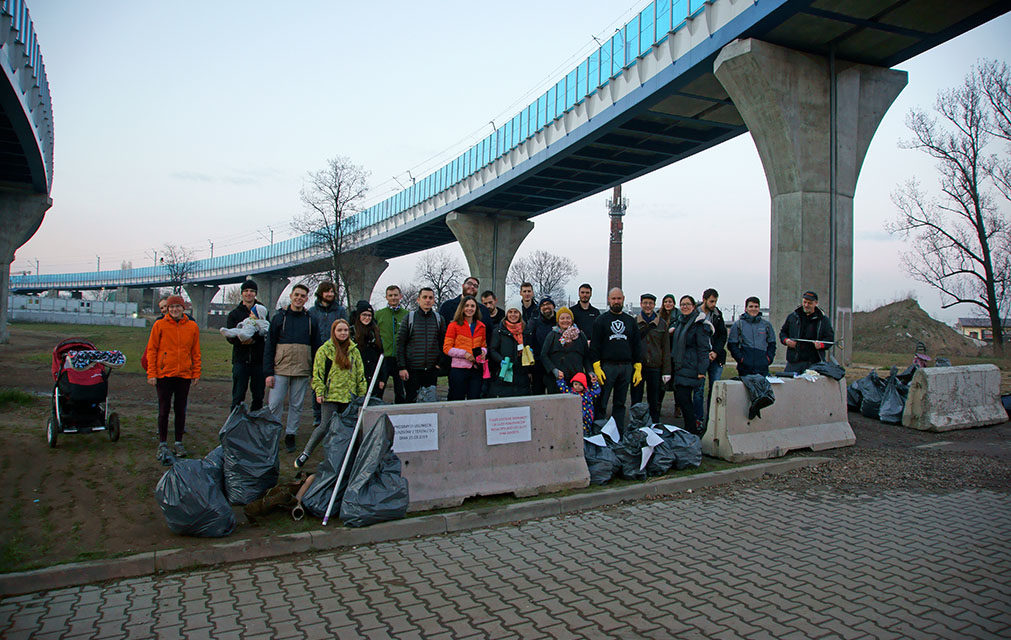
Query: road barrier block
[[448, 449], [948, 398], [806, 415]]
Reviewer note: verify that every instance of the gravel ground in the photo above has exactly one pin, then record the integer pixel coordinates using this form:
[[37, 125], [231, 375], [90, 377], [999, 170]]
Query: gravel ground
[[888, 457]]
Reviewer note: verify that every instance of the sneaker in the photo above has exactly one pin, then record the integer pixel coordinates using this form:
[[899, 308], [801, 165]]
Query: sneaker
[[180, 450], [301, 460], [289, 442], [164, 454]]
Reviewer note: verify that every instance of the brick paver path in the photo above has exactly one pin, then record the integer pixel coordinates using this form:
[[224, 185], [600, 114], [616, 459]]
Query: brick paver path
[[758, 564]]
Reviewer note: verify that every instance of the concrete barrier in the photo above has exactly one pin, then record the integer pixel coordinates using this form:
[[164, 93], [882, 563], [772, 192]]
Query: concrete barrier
[[541, 447], [948, 398], [806, 415]]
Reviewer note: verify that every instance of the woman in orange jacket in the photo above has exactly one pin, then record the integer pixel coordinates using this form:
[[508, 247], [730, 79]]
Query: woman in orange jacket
[[173, 365], [466, 345]]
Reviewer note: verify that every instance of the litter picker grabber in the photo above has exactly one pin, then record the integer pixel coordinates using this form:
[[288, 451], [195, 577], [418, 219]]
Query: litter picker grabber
[[354, 436]]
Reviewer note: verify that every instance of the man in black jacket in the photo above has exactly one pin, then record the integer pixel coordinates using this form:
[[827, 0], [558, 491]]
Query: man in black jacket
[[805, 334], [616, 354], [537, 330], [655, 356], [469, 288], [247, 355], [585, 314], [717, 357], [419, 345], [324, 313]]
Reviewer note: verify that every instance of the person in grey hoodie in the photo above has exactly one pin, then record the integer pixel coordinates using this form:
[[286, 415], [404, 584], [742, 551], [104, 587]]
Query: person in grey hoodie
[[752, 341]]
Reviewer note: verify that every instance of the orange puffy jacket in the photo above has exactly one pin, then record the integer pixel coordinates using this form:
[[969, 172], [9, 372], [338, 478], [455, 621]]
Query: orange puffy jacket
[[173, 350], [460, 341]]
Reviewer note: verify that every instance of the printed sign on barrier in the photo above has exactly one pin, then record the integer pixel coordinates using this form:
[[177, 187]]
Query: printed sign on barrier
[[507, 425], [415, 432]]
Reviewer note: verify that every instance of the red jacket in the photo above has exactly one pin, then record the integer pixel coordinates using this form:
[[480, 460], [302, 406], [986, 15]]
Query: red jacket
[[173, 350]]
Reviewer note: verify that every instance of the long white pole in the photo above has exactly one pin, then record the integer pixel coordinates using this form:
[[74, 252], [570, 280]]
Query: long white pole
[[354, 436]]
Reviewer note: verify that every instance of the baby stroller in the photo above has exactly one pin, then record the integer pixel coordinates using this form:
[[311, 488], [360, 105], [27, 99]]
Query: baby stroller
[[80, 392]]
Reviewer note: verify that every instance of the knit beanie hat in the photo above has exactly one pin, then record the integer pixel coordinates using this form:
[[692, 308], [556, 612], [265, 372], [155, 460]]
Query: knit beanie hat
[[248, 284], [175, 300]]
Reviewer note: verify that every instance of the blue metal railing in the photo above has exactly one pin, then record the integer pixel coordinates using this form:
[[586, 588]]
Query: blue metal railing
[[651, 26]]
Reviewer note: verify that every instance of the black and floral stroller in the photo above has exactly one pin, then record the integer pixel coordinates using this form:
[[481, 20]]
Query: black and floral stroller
[[81, 390]]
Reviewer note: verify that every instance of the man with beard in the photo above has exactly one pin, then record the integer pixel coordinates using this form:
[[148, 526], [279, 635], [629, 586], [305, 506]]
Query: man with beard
[[616, 353], [718, 356], [585, 314], [323, 314], [655, 356], [805, 333], [537, 331], [448, 308]]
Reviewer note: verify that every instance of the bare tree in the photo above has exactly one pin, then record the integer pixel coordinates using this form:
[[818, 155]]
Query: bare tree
[[232, 294], [442, 272], [409, 295], [178, 260], [331, 197], [961, 238], [547, 272]]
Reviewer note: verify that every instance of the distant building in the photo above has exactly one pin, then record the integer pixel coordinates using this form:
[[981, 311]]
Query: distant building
[[980, 329]]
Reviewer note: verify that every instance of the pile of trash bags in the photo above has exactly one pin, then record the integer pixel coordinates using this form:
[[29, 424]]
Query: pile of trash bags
[[645, 450], [192, 497], [881, 399], [373, 489]]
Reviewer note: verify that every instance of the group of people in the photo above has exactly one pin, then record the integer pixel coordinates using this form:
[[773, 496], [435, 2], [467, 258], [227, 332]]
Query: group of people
[[605, 356]]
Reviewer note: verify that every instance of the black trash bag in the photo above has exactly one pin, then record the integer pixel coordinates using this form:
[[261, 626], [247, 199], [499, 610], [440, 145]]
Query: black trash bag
[[252, 462], [829, 369], [1006, 401], [629, 454], [893, 399], [376, 492], [760, 394], [854, 396], [638, 416], [685, 447], [664, 455], [942, 362], [427, 394], [872, 392], [317, 496], [192, 501], [214, 465], [600, 462], [907, 375], [349, 417]]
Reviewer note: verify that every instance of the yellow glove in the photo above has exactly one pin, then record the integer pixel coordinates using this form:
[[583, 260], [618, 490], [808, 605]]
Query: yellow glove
[[600, 372], [636, 374]]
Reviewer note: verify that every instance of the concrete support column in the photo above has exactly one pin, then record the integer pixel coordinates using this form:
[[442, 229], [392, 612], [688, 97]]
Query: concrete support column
[[361, 274], [812, 119], [489, 243], [201, 296], [269, 290], [20, 217]]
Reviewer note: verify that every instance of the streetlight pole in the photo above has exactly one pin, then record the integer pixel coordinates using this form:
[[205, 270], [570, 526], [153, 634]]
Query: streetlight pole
[[212, 248], [98, 263]]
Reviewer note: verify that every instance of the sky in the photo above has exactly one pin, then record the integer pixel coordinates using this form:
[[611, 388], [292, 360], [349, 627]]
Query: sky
[[194, 123]]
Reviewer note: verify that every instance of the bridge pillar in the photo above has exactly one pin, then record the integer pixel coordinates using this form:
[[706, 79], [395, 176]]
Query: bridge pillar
[[201, 296], [362, 274], [269, 290], [812, 131], [20, 217], [489, 244]]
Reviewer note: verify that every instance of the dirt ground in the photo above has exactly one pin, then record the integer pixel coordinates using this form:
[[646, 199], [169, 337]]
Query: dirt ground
[[90, 497]]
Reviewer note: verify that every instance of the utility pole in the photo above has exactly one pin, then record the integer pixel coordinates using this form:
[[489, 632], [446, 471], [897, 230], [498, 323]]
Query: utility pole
[[212, 249], [616, 210], [98, 263]]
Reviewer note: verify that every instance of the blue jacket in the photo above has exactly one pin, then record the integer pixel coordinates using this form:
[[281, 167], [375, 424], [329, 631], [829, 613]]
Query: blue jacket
[[752, 343]]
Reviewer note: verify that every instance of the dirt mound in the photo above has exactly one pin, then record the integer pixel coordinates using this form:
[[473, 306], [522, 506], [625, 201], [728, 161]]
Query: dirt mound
[[896, 327]]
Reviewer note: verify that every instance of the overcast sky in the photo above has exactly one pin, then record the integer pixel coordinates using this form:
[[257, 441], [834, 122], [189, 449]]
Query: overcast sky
[[196, 122]]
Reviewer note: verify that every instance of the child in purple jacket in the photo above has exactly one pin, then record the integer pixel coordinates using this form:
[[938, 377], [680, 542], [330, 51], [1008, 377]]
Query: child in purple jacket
[[587, 394]]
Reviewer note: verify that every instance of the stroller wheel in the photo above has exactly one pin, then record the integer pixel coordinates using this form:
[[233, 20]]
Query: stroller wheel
[[113, 426], [51, 432]]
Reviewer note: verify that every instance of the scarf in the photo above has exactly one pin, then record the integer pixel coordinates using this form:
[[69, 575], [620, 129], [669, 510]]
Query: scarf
[[515, 329], [649, 318], [570, 334]]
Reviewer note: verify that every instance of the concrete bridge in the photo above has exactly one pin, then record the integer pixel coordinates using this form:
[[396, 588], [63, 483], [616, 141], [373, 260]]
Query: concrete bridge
[[809, 80]]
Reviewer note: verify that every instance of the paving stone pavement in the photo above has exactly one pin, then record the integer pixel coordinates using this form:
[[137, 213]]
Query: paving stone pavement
[[755, 564]]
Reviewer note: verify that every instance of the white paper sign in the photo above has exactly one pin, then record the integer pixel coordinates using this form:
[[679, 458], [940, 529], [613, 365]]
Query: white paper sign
[[774, 380], [651, 438], [671, 428], [415, 432], [507, 425], [611, 429], [597, 440], [646, 453]]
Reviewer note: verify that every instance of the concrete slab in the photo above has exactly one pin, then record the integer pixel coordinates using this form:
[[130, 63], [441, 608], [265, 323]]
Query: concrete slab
[[806, 415], [465, 465], [948, 398]]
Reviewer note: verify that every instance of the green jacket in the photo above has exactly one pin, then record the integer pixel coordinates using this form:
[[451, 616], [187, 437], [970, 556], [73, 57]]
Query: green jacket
[[389, 322], [341, 383]]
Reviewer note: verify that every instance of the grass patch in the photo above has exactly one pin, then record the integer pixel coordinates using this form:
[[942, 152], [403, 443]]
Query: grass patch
[[15, 398], [215, 351]]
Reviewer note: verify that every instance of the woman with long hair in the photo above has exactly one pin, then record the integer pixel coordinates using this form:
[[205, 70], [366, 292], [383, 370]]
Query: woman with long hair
[[506, 351], [667, 310], [337, 373], [689, 352], [466, 345], [370, 345]]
